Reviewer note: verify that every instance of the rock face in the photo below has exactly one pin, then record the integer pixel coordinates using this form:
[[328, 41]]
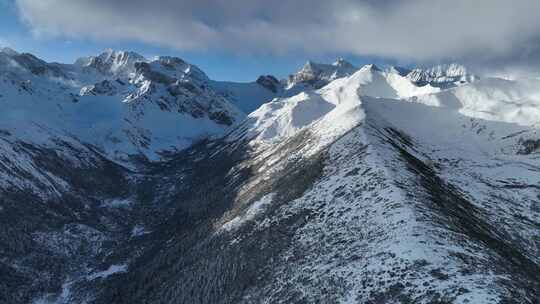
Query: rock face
[[105, 87], [318, 75], [269, 82], [371, 189], [111, 62], [17, 63], [445, 75]]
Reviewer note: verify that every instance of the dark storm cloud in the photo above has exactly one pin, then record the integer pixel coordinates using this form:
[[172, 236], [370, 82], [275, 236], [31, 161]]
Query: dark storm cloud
[[480, 30]]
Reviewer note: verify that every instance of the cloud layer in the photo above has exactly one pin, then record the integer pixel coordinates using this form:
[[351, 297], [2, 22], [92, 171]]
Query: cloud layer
[[418, 30]]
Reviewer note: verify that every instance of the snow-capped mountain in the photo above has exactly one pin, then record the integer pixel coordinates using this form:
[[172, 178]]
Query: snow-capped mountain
[[118, 101], [317, 75], [312, 76], [112, 63], [445, 75], [372, 188], [352, 193]]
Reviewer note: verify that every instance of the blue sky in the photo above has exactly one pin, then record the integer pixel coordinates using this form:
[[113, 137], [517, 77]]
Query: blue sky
[[219, 65], [242, 39]]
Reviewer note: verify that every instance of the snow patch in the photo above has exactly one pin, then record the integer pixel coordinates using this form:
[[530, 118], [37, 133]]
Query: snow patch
[[138, 231], [117, 202], [63, 298], [250, 214], [107, 273]]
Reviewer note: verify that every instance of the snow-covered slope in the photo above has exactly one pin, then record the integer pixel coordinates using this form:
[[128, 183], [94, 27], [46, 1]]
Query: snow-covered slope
[[283, 117], [512, 101], [312, 76], [348, 194], [370, 189], [251, 95], [118, 101]]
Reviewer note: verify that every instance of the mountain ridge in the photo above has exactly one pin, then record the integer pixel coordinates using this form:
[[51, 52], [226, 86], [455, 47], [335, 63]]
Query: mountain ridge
[[370, 189]]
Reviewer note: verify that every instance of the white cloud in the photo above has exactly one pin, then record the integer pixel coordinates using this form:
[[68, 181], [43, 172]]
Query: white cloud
[[488, 30]]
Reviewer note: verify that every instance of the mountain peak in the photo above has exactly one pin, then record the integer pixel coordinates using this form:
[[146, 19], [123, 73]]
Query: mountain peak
[[448, 74], [26, 62], [119, 54], [448, 69], [112, 61], [319, 74], [177, 68], [8, 51], [309, 66], [371, 67], [269, 82], [342, 63], [399, 70]]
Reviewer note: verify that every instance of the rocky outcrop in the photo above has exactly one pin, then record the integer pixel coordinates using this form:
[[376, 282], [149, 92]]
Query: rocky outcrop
[[269, 82], [446, 75], [318, 75]]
